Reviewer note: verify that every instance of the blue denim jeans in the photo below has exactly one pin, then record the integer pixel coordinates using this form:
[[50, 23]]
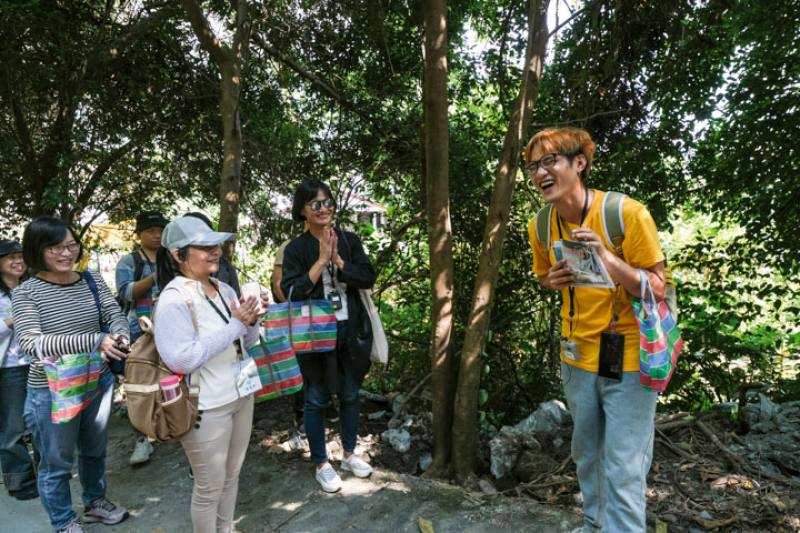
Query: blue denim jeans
[[14, 458], [88, 432], [317, 400], [612, 446]]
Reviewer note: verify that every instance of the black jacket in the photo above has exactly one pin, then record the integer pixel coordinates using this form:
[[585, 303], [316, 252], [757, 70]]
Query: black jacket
[[299, 256]]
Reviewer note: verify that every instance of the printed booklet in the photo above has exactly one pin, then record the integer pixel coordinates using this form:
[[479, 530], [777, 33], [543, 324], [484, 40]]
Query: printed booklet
[[583, 261]]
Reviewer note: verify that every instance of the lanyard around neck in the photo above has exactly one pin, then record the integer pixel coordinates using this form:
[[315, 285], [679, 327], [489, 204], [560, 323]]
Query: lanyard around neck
[[217, 309], [571, 290], [225, 319]]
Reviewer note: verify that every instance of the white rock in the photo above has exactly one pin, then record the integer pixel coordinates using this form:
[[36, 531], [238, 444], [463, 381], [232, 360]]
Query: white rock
[[400, 439], [425, 461]]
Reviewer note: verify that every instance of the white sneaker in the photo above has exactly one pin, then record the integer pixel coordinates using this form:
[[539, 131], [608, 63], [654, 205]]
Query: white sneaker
[[141, 452], [328, 479], [356, 465]]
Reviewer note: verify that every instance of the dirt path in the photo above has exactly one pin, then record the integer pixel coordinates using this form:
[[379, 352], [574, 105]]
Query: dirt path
[[277, 492]]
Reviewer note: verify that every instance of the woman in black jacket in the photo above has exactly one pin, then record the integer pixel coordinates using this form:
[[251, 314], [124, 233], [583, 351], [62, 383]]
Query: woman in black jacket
[[325, 263]]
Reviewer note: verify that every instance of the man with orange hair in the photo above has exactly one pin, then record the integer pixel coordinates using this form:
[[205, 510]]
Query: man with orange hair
[[613, 415]]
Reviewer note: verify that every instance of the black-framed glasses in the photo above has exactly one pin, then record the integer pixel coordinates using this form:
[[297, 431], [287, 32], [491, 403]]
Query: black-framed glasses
[[316, 205], [546, 161], [59, 249]]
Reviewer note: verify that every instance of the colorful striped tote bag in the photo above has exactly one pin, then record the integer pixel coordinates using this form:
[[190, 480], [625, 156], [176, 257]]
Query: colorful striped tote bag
[[309, 325], [73, 381], [660, 341], [277, 368]]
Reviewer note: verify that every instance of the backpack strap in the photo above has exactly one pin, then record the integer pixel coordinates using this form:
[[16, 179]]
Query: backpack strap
[[543, 220], [613, 223], [138, 265], [92, 284]]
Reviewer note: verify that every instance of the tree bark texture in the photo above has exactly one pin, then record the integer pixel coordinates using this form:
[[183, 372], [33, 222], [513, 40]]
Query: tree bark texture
[[466, 399], [436, 156], [229, 60]]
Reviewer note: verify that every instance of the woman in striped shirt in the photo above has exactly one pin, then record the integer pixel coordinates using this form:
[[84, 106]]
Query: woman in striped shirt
[[57, 313]]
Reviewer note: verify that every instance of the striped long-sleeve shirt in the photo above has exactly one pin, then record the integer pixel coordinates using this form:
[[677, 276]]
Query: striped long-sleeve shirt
[[65, 317]]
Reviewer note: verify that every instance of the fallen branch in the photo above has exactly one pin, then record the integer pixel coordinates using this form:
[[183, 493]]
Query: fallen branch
[[735, 461], [535, 483], [688, 421], [741, 464], [414, 391], [671, 446]]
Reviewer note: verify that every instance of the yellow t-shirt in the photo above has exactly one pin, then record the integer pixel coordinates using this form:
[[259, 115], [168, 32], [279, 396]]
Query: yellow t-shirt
[[593, 307]]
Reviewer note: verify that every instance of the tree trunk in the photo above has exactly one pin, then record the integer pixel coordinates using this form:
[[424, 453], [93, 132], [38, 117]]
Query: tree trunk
[[229, 60], [230, 183], [466, 400], [434, 91]]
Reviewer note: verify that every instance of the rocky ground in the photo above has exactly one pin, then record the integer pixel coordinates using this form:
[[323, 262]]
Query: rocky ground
[[705, 477], [278, 492]]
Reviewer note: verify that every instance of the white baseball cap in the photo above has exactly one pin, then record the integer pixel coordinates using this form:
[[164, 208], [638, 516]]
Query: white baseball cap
[[186, 231]]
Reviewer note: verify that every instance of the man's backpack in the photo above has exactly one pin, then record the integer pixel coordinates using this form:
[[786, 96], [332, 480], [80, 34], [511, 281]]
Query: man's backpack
[[138, 268], [614, 230], [147, 411]]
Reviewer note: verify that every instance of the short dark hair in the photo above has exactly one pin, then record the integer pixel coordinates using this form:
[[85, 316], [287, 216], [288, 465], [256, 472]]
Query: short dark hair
[[306, 192], [41, 233], [201, 216]]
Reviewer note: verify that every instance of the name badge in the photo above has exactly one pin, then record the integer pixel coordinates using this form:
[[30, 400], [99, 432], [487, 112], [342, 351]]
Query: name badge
[[247, 379], [569, 349]]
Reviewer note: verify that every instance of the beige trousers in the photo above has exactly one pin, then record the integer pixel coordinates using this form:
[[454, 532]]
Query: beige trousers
[[216, 452]]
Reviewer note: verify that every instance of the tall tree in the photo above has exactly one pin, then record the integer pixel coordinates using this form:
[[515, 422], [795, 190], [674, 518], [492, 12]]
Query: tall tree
[[82, 92], [434, 94], [466, 399], [229, 60]]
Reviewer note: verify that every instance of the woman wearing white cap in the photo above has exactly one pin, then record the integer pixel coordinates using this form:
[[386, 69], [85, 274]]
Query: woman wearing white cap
[[207, 336]]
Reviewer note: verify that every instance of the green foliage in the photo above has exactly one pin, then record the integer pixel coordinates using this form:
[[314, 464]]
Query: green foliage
[[738, 316], [693, 106]]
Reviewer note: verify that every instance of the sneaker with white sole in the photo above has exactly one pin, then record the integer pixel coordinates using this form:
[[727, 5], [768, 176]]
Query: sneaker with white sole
[[328, 479], [356, 465], [102, 510], [73, 527], [141, 452]]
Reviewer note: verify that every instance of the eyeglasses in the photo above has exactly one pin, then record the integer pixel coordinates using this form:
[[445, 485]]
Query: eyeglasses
[[316, 205], [72, 248], [547, 161]]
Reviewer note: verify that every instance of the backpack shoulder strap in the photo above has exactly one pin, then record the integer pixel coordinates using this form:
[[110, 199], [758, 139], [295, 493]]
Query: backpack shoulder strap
[[92, 284], [189, 303], [543, 220], [138, 265], [613, 223]]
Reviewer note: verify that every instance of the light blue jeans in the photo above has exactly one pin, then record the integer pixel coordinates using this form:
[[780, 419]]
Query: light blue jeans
[[88, 432], [612, 446]]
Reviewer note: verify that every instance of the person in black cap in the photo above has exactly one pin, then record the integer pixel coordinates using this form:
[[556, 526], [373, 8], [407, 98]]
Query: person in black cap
[[18, 473], [137, 287], [227, 272]]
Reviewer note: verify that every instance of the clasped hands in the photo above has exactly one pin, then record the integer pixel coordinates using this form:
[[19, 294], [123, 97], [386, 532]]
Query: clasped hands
[[329, 248]]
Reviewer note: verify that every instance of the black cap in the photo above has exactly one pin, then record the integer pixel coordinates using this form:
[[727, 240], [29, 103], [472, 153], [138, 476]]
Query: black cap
[[9, 247], [150, 219]]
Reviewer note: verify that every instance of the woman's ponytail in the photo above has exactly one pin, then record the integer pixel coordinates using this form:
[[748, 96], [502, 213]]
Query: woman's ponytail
[[166, 266]]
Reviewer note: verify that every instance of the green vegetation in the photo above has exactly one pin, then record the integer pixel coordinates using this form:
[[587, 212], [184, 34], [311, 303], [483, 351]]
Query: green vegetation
[[112, 107]]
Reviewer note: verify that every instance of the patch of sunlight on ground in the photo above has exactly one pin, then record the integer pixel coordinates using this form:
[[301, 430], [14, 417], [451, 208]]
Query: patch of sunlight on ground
[[291, 506]]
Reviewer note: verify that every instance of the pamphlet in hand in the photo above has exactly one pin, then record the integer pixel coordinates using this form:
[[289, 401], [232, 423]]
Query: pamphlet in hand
[[583, 261]]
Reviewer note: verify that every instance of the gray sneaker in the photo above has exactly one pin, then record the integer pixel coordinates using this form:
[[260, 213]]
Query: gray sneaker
[[102, 510], [74, 527]]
